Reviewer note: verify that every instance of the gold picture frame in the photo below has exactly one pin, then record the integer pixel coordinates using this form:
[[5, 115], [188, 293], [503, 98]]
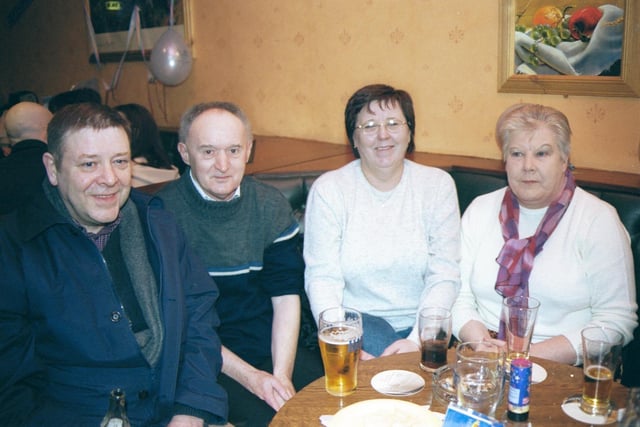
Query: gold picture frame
[[111, 45], [627, 84]]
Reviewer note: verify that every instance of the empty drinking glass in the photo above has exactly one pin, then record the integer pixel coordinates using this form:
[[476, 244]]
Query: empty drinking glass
[[479, 375], [519, 315]]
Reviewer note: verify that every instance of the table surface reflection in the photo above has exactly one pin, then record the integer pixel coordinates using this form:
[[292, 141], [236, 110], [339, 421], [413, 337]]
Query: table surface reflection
[[305, 408]]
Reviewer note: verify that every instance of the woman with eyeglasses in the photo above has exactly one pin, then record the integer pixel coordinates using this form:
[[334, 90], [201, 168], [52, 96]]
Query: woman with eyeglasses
[[382, 232]]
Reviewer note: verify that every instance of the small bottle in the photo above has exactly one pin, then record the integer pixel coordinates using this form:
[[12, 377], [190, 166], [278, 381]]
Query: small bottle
[[519, 388], [631, 416], [116, 416]]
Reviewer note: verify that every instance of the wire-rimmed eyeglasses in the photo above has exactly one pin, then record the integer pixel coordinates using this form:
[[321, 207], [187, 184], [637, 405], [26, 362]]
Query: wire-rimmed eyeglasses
[[371, 127]]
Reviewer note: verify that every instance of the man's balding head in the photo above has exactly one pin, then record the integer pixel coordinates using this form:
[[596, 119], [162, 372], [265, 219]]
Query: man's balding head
[[27, 120]]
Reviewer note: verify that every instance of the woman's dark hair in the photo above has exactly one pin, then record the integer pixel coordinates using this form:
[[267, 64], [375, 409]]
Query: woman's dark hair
[[145, 137], [386, 96]]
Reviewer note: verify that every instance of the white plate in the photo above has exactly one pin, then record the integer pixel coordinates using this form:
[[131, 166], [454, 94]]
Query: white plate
[[571, 407], [384, 413], [397, 382], [538, 374]]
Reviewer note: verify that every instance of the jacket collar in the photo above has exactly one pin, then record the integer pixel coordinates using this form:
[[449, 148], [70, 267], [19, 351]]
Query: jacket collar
[[39, 214]]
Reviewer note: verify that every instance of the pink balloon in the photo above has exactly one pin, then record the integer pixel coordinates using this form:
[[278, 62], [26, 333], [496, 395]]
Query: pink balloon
[[171, 59]]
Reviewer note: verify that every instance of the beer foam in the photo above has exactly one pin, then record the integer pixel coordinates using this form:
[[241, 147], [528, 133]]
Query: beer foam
[[340, 335]]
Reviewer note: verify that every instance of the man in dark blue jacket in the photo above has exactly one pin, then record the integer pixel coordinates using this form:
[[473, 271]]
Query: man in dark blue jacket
[[100, 291]]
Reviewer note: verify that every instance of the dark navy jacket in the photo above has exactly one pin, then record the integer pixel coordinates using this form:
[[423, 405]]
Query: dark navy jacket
[[63, 347]]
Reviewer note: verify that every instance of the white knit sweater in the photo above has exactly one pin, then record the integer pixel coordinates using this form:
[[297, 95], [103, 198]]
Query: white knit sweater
[[583, 276], [383, 253]]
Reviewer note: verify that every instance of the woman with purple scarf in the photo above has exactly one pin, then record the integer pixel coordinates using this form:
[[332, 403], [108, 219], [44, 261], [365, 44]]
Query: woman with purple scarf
[[543, 237]]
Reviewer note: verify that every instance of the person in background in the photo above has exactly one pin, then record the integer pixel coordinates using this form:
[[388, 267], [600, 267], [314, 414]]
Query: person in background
[[75, 96], [247, 236], [13, 99], [382, 233], [22, 96], [22, 172], [151, 163], [100, 291], [544, 237]]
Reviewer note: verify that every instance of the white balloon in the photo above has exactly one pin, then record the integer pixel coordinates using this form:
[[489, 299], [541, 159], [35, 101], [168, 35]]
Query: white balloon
[[170, 58]]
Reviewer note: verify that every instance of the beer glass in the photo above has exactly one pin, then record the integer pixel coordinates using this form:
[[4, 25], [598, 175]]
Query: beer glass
[[340, 339], [434, 325], [601, 353], [479, 375], [519, 316]]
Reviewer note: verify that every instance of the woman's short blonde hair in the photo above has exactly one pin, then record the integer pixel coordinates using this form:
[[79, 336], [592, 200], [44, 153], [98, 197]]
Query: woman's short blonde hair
[[530, 117]]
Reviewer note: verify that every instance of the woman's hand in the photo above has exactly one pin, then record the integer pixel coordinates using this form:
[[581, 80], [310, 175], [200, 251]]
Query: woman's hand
[[400, 346], [366, 356]]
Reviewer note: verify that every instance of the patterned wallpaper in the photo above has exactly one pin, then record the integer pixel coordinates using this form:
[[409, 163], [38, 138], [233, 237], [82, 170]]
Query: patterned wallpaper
[[292, 64]]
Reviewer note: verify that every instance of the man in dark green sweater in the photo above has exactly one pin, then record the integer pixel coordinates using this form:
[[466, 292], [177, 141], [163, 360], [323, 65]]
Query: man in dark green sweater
[[247, 236]]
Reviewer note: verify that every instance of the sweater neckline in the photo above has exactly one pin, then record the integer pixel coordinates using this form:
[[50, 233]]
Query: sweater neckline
[[382, 197], [218, 209]]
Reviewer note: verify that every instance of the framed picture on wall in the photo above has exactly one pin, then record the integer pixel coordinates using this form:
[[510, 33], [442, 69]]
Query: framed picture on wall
[[583, 47], [111, 20]]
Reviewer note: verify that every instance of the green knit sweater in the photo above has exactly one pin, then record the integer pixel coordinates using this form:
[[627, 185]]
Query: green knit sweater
[[250, 247]]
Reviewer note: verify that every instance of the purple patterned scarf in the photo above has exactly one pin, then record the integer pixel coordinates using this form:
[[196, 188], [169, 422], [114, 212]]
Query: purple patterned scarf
[[516, 256]]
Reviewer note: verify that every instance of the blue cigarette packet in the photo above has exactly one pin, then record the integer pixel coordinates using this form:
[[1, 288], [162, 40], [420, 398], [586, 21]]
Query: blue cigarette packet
[[457, 416]]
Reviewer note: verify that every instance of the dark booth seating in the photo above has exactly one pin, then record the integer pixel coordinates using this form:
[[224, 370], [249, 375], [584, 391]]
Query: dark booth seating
[[470, 183]]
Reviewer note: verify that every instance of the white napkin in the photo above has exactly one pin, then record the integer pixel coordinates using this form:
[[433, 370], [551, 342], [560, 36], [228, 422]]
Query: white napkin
[[326, 419], [397, 382], [538, 374]]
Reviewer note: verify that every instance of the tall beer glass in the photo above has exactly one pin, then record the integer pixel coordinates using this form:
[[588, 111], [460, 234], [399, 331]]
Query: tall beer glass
[[340, 339], [601, 353], [519, 314]]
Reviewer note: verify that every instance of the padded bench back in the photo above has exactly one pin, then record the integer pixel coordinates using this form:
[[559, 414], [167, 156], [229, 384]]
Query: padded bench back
[[295, 186], [473, 183]]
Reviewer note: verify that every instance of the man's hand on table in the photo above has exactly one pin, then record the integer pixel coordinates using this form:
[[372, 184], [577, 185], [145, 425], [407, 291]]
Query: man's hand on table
[[186, 421], [274, 391]]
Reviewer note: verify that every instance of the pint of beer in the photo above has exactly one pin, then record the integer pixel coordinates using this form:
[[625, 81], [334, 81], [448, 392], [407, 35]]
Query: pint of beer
[[340, 339], [601, 349]]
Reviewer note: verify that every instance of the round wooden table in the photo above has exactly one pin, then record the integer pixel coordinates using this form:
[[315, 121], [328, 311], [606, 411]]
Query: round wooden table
[[305, 408]]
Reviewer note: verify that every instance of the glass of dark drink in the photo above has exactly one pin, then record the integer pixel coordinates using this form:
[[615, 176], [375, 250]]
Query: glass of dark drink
[[434, 324]]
